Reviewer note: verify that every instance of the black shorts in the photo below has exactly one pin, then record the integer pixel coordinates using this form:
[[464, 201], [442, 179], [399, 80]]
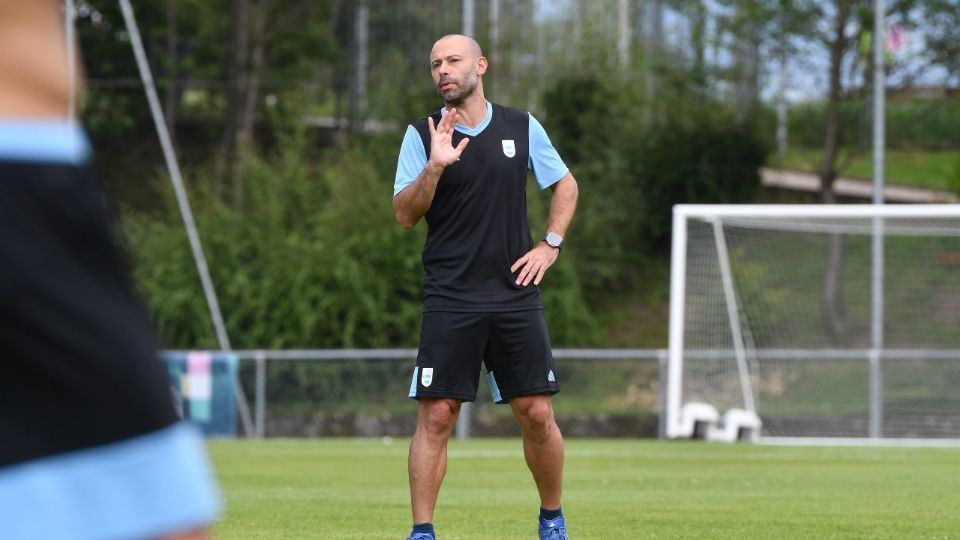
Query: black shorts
[[514, 346], [78, 363]]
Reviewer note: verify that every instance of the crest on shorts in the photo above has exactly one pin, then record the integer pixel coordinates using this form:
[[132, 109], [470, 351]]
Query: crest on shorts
[[509, 149], [426, 376], [551, 377]]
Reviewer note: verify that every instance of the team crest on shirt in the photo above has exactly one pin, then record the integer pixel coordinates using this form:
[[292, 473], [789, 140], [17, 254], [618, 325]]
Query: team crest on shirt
[[509, 149], [426, 376]]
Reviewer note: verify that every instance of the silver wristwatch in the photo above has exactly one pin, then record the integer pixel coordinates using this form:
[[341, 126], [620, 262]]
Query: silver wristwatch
[[554, 240]]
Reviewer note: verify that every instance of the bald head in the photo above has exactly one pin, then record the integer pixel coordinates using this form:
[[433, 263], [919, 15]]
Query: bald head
[[458, 65], [466, 45]]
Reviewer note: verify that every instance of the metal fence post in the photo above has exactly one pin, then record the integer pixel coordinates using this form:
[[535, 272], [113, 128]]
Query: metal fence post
[[876, 395], [662, 359], [260, 398], [463, 421]]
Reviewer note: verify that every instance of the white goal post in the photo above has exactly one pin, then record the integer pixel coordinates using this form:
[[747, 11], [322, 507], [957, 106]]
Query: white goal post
[[830, 323]]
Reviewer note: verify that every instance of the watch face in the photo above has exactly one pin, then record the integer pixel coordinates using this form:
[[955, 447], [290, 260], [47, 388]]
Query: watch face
[[553, 239]]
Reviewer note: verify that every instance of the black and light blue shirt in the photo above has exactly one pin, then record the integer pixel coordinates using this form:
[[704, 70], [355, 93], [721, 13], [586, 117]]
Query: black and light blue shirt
[[544, 160], [477, 223]]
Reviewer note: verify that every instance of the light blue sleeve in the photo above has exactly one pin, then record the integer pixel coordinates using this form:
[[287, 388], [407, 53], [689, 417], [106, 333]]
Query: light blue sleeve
[[412, 160], [545, 162], [43, 141]]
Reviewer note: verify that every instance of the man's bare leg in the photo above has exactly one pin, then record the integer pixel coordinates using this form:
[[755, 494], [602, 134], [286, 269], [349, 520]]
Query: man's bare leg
[[427, 461], [542, 446]]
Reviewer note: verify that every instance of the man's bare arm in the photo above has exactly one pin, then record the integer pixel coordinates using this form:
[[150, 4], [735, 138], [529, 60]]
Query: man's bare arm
[[34, 79], [563, 204], [413, 201]]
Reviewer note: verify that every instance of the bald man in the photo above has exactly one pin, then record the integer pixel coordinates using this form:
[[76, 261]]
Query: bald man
[[90, 444], [464, 169]]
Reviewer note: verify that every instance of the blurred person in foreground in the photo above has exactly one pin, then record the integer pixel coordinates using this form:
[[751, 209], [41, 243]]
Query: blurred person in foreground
[[90, 445], [464, 168]]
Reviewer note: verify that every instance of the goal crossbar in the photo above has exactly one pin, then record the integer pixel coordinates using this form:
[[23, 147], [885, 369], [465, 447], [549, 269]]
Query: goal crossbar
[[818, 210]]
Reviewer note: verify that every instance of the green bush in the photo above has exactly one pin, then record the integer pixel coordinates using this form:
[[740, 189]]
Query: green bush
[[954, 180], [578, 119], [314, 259], [635, 164], [691, 163]]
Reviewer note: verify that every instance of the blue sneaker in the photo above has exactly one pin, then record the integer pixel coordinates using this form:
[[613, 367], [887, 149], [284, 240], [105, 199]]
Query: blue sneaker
[[553, 529], [422, 536]]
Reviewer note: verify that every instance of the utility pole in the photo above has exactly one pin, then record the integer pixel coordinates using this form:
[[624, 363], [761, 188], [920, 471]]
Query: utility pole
[[496, 73], [879, 99], [782, 91], [468, 18], [623, 34], [879, 139], [361, 43]]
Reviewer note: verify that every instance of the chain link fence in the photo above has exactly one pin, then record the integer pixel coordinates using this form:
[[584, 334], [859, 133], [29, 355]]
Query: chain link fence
[[363, 393], [606, 393]]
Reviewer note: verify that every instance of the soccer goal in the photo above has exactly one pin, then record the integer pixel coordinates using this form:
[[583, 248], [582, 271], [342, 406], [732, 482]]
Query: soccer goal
[[820, 323]]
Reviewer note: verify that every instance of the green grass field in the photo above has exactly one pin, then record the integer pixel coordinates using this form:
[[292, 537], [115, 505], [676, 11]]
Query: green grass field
[[614, 489]]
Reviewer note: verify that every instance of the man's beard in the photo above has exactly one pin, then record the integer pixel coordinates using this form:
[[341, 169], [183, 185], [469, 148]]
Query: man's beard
[[461, 91]]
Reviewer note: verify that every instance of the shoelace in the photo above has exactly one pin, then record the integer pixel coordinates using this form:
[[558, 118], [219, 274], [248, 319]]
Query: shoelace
[[556, 533]]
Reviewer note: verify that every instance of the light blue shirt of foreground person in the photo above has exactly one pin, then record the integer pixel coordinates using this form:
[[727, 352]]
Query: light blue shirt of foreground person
[[544, 160]]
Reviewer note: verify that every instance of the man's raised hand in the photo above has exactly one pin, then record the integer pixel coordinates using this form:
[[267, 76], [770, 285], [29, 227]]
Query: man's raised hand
[[442, 151]]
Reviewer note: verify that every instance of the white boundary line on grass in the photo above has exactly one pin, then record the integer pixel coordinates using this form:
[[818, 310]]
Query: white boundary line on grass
[[859, 441]]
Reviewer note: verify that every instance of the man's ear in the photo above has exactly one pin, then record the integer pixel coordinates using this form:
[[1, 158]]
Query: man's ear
[[481, 65]]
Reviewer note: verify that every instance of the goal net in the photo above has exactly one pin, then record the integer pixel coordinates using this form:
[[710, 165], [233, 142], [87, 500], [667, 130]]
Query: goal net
[[821, 321]]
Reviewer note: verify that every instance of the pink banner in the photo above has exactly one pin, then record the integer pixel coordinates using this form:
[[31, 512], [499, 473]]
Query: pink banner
[[198, 363]]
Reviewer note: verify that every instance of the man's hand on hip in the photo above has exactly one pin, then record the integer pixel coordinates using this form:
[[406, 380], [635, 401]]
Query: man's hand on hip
[[534, 264]]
